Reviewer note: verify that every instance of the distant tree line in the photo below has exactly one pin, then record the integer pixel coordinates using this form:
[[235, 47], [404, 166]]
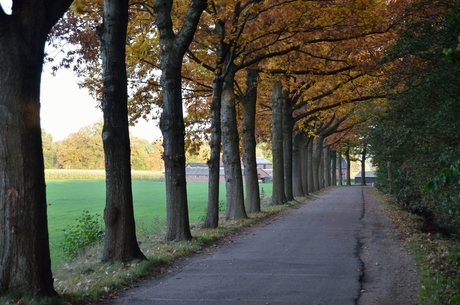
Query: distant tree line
[[83, 150]]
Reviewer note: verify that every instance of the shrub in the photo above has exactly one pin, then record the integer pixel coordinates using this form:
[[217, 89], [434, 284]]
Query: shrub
[[77, 238]]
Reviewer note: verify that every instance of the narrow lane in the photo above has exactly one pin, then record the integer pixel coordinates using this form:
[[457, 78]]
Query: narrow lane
[[308, 256]]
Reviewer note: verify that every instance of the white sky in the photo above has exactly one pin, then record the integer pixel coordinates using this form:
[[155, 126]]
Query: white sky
[[65, 108]]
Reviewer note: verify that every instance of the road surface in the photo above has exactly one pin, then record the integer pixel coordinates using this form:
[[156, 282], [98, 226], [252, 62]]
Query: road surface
[[337, 249]]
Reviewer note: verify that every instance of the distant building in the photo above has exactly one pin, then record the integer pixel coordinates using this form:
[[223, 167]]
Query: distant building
[[344, 170], [370, 178], [199, 172], [195, 164], [263, 163]]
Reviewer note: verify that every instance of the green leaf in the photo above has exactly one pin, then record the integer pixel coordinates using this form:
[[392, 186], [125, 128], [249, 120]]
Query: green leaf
[[456, 298]]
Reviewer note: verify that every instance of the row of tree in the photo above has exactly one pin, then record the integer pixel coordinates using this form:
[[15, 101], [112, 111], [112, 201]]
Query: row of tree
[[303, 76]]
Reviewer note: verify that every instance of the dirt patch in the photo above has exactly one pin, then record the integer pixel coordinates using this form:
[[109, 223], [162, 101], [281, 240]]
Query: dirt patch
[[390, 275]]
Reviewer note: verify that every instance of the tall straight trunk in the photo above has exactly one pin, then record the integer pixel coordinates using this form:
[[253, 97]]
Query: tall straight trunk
[[327, 166], [25, 265], [212, 213], [172, 126], [334, 167], [305, 166], [340, 168], [277, 145], [347, 158], [288, 125], [316, 162], [120, 243], [310, 175], [363, 166], [249, 143], [231, 153], [298, 166], [322, 180]]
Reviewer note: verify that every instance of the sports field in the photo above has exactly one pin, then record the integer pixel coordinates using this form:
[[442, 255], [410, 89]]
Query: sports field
[[67, 199]]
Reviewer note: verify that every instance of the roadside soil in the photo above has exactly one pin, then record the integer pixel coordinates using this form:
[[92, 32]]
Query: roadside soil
[[390, 274]]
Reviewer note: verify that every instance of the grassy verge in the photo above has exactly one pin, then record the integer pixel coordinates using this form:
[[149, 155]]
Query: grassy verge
[[67, 199], [87, 280], [437, 257]]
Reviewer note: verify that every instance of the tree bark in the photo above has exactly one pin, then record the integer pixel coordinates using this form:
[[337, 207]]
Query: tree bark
[[304, 164], [298, 166], [249, 143], [25, 265], [363, 166], [347, 157], [334, 167], [277, 145], [288, 125], [212, 213], [120, 243], [172, 127], [231, 154], [340, 168], [310, 176], [316, 163], [327, 166]]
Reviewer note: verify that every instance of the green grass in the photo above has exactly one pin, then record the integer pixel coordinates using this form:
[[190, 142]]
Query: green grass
[[67, 199]]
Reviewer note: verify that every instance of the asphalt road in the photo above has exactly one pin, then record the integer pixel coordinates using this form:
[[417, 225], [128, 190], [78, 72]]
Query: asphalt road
[[309, 255]]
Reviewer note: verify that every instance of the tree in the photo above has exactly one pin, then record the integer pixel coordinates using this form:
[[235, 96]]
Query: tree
[[249, 142], [120, 243], [278, 196], [49, 150], [141, 151], [83, 149], [24, 245], [173, 48]]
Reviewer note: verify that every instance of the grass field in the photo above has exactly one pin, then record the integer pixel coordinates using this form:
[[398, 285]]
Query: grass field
[[67, 199]]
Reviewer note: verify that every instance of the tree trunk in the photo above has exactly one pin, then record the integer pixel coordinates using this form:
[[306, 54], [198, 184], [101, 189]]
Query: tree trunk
[[334, 167], [298, 166], [212, 213], [249, 144], [172, 127], [304, 164], [340, 168], [347, 157], [231, 153], [288, 125], [363, 167], [25, 265], [310, 176], [277, 145], [316, 162], [327, 166], [120, 243], [322, 181]]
